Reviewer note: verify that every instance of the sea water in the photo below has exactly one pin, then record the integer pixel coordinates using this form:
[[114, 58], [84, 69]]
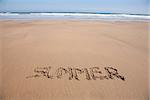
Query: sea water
[[73, 15]]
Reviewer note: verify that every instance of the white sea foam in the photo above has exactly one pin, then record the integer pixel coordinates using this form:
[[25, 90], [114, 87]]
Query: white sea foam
[[74, 16]]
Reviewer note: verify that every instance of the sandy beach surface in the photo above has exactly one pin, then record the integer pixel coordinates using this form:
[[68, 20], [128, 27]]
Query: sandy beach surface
[[25, 45]]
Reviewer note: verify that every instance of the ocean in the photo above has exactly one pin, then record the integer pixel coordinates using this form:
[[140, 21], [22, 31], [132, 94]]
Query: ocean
[[73, 15]]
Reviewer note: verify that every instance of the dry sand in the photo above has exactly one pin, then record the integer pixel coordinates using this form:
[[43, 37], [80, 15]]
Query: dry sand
[[28, 44]]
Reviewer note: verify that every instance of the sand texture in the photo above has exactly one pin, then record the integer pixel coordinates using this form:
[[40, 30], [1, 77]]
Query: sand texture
[[26, 45]]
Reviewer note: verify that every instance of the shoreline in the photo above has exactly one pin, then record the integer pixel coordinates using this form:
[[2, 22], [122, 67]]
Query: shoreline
[[74, 20], [59, 19]]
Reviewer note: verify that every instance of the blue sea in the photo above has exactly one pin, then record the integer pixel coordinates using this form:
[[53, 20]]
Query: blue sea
[[73, 15]]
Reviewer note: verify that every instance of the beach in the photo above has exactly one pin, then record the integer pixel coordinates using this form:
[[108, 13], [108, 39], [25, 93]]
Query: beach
[[27, 44]]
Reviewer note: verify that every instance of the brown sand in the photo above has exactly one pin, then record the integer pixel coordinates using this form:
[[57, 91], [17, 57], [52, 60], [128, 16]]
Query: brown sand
[[28, 44], [0, 63]]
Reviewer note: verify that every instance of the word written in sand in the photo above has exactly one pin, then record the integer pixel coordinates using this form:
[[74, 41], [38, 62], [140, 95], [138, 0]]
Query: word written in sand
[[92, 73]]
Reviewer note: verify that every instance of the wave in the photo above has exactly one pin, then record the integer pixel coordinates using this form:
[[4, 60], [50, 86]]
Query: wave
[[73, 15]]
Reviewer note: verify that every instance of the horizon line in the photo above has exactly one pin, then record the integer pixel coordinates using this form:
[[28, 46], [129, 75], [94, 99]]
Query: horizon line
[[91, 12]]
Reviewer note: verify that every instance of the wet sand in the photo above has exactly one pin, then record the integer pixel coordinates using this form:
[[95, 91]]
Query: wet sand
[[26, 45]]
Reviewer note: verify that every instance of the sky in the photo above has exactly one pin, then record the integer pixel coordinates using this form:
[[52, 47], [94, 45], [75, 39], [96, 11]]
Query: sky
[[108, 6]]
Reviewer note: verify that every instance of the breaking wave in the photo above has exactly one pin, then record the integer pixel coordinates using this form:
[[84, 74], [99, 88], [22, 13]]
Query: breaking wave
[[72, 15]]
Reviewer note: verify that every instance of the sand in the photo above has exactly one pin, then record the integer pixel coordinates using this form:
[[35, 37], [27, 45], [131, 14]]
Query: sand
[[0, 63], [26, 45]]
